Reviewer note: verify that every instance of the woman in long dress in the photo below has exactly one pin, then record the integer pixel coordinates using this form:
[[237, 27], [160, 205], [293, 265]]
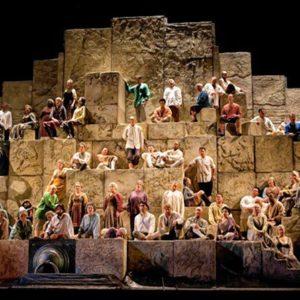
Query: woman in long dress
[[76, 207], [113, 206], [45, 116]]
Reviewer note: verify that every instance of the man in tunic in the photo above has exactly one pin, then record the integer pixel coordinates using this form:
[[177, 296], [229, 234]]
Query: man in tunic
[[214, 91], [292, 129], [162, 114], [230, 114], [81, 159], [144, 223], [22, 230], [90, 224], [174, 197], [60, 225], [215, 210], [227, 85], [257, 224], [106, 161], [141, 96], [202, 101], [206, 170], [152, 158], [171, 158], [173, 97], [70, 98], [134, 137], [265, 123], [5, 120], [196, 227]]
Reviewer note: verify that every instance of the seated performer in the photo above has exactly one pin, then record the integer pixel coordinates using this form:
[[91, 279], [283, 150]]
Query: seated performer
[[173, 97], [174, 197], [5, 120], [57, 116], [214, 91], [202, 101], [70, 98], [292, 129], [144, 223], [171, 158], [169, 224], [29, 121], [265, 123], [142, 94], [227, 85], [29, 208], [230, 114], [47, 111], [78, 118], [153, 158], [191, 198], [195, 227], [134, 137], [227, 228], [206, 170], [271, 188], [22, 230], [257, 224], [106, 161], [215, 210], [60, 225], [81, 159], [4, 225], [162, 114], [90, 223], [247, 203], [49, 215]]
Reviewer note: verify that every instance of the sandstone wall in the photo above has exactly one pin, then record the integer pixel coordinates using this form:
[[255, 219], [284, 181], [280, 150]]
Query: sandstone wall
[[293, 101]]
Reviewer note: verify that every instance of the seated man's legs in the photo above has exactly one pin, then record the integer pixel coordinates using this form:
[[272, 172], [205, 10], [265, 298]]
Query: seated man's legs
[[148, 159], [113, 163], [139, 235], [207, 188]]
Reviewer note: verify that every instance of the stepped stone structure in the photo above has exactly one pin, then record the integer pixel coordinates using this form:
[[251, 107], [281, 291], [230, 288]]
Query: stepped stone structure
[[100, 61]]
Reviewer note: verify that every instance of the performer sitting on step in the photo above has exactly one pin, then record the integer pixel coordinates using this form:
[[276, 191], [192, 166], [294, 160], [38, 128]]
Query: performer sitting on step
[[81, 159], [106, 161], [162, 114]]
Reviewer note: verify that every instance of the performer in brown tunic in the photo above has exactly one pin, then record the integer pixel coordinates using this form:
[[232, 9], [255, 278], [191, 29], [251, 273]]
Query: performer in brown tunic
[[45, 116]]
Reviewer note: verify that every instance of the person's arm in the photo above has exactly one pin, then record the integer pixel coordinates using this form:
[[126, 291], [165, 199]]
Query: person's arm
[[211, 217], [187, 225], [280, 214], [147, 92], [152, 224], [273, 128], [179, 97], [250, 223], [125, 134], [96, 228], [142, 140], [70, 227], [119, 199], [182, 207], [64, 114], [161, 226], [213, 169], [203, 228], [166, 93], [129, 89], [9, 121]]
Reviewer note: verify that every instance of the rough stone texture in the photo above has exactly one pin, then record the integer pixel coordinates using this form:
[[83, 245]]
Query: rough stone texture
[[236, 154], [95, 132], [3, 189], [282, 179], [17, 94], [200, 128], [273, 154], [166, 131], [60, 73], [138, 48], [293, 101], [157, 181], [86, 50], [106, 97], [292, 225], [118, 130], [29, 135], [239, 71], [105, 257], [269, 93], [17, 115], [297, 156], [195, 259], [26, 157], [240, 99], [156, 257], [208, 115], [92, 181], [45, 80], [189, 57], [15, 264], [55, 150], [233, 186]]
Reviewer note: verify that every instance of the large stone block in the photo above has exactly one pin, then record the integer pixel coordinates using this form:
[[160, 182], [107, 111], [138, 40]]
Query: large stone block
[[152, 257], [92, 182], [106, 97], [44, 85], [293, 101], [273, 154], [200, 128], [13, 259], [95, 132], [17, 94], [3, 188], [236, 154], [292, 225], [26, 157], [189, 57], [195, 259], [297, 156], [208, 115], [281, 179], [105, 257], [60, 73], [233, 186], [55, 150], [86, 50], [239, 71], [166, 131], [138, 48]]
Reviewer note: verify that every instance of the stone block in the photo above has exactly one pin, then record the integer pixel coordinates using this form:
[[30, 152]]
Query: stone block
[[281, 179], [195, 259], [106, 94], [86, 50], [29, 135], [236, 154], [239, 71], [95, 132], [208, 115], [233, 186], [138, 48], [152, 257], [26, 157], [60, 74], [92, 182], [293, 101], [118, 130], [166, 131], [17, 94], [292, 225], [105, 257], [13, 259], [55, 150], [200, 128], [273, 154], [3, 184], [17, 115], [297, 156]]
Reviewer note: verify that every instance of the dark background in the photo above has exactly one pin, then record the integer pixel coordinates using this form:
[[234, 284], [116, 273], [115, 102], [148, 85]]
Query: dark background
[[270, 31]]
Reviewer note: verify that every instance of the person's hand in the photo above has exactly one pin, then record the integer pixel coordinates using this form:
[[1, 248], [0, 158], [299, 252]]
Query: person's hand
[[214, 177], [53, 236]]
